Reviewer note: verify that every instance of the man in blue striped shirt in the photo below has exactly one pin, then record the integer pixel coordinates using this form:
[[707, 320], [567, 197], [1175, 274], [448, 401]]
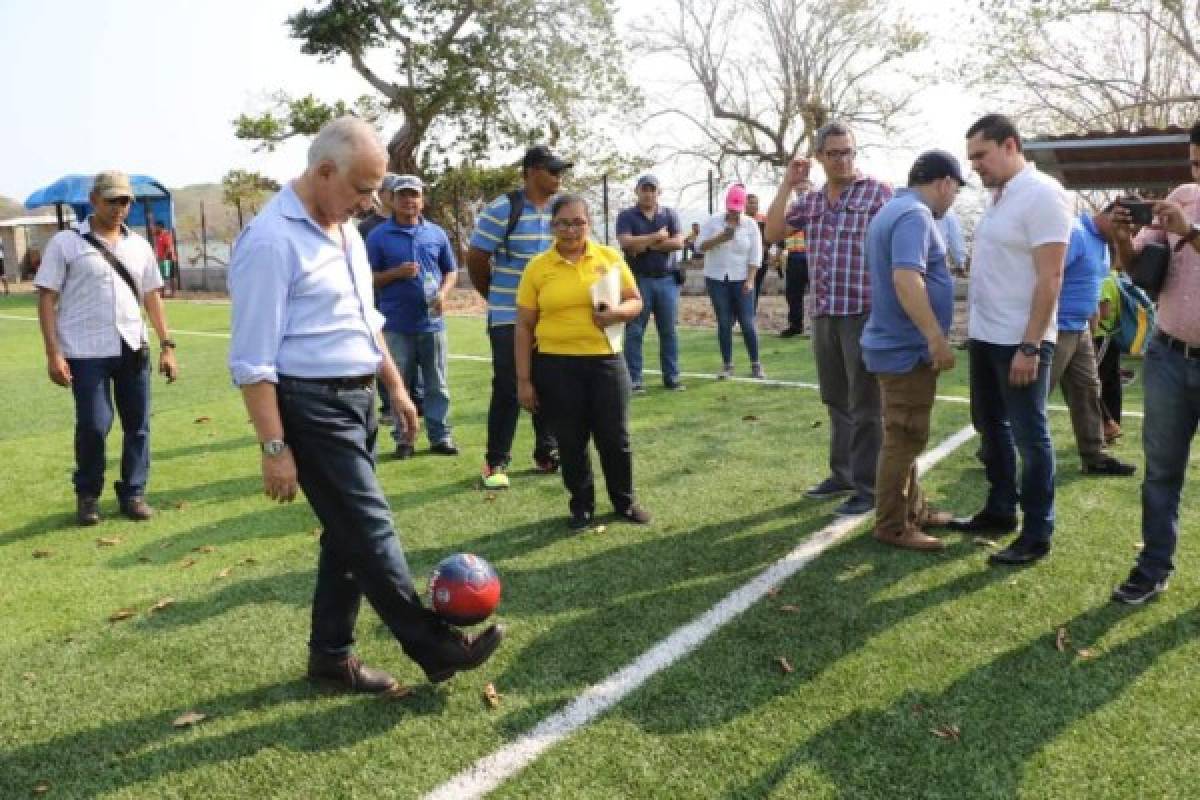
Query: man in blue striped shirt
[[499, 251]]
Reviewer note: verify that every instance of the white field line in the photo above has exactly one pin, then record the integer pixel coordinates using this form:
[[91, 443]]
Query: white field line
[[492, 770], [946, 398]]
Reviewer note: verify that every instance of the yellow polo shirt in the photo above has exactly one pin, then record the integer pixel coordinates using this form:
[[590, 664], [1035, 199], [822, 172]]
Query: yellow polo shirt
[[561, 294]]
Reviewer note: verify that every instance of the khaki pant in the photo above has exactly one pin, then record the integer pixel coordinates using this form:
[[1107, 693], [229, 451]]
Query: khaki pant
[[907, 404], [1074, 368]]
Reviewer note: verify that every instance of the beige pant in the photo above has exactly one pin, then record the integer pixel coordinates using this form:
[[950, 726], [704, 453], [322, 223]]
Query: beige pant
[[1074, 367], [907, 402]]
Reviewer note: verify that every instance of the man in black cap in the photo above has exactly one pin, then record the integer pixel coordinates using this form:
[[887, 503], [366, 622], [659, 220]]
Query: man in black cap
[[904, 343], [649, 234], [513, 228]]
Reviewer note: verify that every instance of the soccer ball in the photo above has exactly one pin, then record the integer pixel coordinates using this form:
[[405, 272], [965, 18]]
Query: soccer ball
[[464, 589]]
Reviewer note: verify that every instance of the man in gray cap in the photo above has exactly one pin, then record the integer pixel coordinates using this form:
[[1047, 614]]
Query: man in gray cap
[[650, 236], [92, 283], [904, 342]]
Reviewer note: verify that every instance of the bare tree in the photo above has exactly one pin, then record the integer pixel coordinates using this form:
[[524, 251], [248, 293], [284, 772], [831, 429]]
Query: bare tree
[[1082, 65], [771, 72]]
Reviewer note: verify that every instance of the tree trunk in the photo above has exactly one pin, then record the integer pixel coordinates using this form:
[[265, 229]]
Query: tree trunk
[[402, 150]]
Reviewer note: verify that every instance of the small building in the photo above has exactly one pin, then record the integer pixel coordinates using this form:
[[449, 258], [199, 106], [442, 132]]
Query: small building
[[24, 240]]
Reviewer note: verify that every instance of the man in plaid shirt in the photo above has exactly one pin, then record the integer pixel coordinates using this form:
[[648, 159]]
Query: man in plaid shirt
[[834, 220]]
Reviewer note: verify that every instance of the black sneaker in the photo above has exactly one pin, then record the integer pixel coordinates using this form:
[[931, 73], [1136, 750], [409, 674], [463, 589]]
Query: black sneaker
[[855, 505], [444, 448], [639, 388], [580, 520], [788, 333], [546, 463], [830, 487], [1109, 466], [1137, 589], [403, 451], [674, 386], [635, 514], [1021, 553]]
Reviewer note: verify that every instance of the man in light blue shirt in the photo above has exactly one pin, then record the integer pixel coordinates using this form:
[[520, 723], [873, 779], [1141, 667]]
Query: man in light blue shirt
[[305, 349], [904, 342], [1074, 364]]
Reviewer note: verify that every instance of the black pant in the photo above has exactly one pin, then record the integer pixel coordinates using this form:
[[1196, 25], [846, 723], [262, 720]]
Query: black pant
[[760, 276], [1109, 369], [587, 397], [331, 433], [504, 410], [797, 285]]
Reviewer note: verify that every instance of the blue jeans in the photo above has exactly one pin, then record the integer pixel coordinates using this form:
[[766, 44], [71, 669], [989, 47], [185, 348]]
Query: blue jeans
[[1172, 406], [660, 296], [425, 352], [331, 433], [96, 383], [729, 302], [1011, 419]]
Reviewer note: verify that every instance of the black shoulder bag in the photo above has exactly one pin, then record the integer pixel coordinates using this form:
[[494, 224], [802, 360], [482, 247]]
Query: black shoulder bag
[[1149, 269], [114, 262]]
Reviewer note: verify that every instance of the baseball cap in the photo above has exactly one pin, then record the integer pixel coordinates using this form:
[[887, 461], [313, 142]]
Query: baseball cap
[[934, 165], [112, 183], [540, 156], [647, 180], [394, 183], [735, 198]]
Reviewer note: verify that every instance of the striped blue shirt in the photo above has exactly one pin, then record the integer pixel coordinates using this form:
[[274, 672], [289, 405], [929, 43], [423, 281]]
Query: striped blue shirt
[[302, 302], [531, 236]]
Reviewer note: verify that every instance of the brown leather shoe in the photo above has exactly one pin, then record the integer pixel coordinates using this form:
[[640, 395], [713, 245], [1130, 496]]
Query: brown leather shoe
[[460, 652], [87, 510], [911, 539], [137, 509], [936, 518], [348, 673]]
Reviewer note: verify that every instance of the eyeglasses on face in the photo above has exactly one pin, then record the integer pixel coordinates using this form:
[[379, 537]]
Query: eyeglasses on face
[[118, 201], [849, 152], [565, 224]]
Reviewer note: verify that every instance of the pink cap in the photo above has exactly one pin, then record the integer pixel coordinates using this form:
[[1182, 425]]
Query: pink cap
[[735, 198]]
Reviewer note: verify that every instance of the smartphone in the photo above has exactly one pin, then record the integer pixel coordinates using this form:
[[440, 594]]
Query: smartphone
[[1140, 211], [602, 307]]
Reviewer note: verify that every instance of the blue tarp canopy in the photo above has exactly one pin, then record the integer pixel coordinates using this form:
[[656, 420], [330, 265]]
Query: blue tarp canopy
[[151, 199]]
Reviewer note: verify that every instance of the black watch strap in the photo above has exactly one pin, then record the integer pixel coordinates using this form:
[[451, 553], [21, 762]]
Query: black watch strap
[[1028, 349], [167, 344]]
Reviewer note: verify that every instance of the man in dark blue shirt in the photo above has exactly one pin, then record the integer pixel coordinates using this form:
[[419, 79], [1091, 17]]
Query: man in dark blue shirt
[[414, 271], [649, 234]]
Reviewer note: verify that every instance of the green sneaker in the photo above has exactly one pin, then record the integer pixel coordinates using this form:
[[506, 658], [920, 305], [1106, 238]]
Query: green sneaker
[[494, 477]]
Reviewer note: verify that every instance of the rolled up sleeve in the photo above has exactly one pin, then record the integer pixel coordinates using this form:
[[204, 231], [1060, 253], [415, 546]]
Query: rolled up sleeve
[[259, 279]]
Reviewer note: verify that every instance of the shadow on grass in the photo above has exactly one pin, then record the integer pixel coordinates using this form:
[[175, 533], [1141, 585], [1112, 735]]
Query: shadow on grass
[[1007, 711], [122, 754], [245, 442]]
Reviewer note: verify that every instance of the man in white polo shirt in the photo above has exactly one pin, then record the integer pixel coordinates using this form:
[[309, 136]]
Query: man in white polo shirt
[[1016, 275], [91, 284]]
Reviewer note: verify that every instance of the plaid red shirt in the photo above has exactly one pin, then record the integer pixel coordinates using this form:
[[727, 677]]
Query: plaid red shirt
[[837, 264]]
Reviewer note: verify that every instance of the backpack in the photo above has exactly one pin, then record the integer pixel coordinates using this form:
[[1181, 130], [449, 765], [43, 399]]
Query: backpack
[[1136, 320], [516, 204]]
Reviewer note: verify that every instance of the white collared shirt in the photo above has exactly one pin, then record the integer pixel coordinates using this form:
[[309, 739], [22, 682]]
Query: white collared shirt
[[96, 309], [1032, 210], [736, 259]]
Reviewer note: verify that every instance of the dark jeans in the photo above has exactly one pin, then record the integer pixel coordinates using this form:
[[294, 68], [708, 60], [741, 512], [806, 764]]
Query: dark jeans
[[1172, 407], [587, 398], [96, 383], [1009, 420], [660, 296], [1109, 370], [851, 396], [796, 286], [504, 410], [731, 302], [331, 433]]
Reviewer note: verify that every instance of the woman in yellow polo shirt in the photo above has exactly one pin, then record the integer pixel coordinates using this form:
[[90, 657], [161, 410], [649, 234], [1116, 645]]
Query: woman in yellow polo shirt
[[568, 369]]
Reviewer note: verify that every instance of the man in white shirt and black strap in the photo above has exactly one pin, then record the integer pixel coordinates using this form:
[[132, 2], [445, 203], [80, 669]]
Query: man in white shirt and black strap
[[92, 284]]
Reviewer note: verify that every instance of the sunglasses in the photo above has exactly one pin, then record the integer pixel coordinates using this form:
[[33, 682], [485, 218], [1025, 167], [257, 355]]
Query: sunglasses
[[118, 201]]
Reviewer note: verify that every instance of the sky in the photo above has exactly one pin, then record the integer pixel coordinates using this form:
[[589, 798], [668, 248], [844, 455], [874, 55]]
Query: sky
[[153, 87]]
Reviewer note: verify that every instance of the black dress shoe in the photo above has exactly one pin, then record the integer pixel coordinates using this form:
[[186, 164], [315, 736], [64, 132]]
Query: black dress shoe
[[1020, 553], [348, 673], [87, 510], [580, 520], [137, 509], [459, 652], [788, 333], [984, 523], [446, 447], [1109, 466]]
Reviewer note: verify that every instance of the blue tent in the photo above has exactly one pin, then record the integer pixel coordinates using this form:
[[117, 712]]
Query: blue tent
[[151, 199]]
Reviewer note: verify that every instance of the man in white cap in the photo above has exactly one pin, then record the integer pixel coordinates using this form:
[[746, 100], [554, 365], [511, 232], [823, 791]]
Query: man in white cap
[[93, 281]]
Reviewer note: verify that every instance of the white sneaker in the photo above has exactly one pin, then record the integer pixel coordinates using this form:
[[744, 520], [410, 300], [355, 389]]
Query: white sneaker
[[756, 372], [725, 373]]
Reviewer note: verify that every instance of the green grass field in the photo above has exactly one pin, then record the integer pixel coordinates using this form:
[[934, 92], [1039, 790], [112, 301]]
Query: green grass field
[[888, 649]]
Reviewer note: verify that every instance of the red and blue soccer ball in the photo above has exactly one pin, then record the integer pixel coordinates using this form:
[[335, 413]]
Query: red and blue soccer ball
[[464, 589]]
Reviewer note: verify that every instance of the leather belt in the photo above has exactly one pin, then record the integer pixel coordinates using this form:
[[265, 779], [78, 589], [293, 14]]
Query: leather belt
[[353, 382], [1178, 345]]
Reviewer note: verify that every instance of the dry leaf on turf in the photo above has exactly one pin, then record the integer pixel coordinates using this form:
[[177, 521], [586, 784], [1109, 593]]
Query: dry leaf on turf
[[187, 562], [108, 541], [784, 665], [41, 787], [29, 676], [166, 602], [204, 548], [816, 423], [181, 505], [749, 418], [491, 696], [225, 572], [42, 553], [143, 559], [948, 732], [249, 561], [773, 591], [188, 719], [316, 531], [1086, 653], [120, 614], [1061, 640], [789, 609], [490, 497], [201, 420], [600, 528]]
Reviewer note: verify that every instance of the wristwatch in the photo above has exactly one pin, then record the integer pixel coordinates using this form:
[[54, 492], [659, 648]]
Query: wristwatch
[[1028, 349], [167, 344], [273, 447], [1192, 233]]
